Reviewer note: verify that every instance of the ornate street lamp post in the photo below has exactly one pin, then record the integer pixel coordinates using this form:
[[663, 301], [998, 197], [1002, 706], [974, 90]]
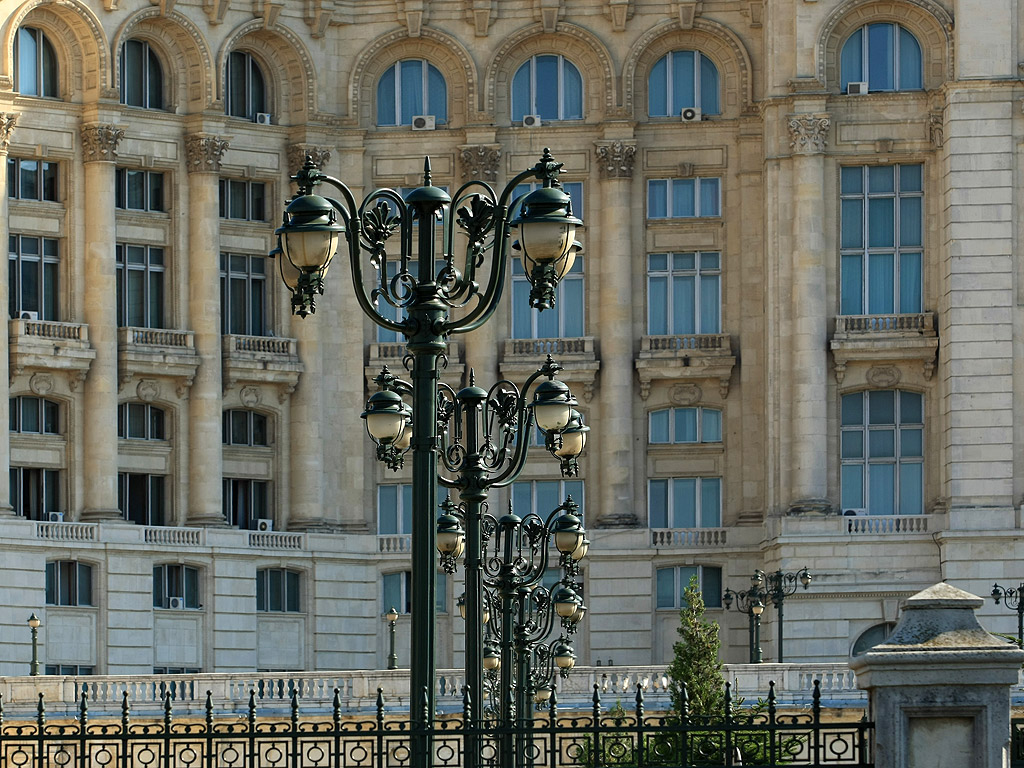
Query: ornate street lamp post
[[778, 586], [1014, 600], [423, 297], [750, 602], [33, 624], [392, 618]]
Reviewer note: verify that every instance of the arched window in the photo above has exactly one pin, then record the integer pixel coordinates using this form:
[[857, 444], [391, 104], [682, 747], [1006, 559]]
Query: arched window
[[882, 452], [34, 415], [35, 64], [871, 637], [682, 79], [548, 86], [884, 55], [409, 89], [142, 78], [246, 91]]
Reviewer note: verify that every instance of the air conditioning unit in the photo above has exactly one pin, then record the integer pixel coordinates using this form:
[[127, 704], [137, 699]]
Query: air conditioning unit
[[691, 115], [263, 118], [856, 89], [423, 122], [264, 524], [177, 603], [29, 315], [531, 121], [55, 517], [854, 512]]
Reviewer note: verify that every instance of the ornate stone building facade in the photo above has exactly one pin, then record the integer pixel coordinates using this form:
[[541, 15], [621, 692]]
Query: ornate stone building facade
[[794, 325]]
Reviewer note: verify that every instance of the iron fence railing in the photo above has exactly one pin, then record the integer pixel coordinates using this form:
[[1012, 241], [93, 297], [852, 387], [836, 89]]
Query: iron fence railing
[[1017, 743], [759, 736]]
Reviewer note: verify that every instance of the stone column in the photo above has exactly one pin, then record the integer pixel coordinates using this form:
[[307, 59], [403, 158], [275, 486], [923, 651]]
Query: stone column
[[206, 459], [939, 687], [613, 261], [809, 311], [7, 121], [307, 415], [99, 406]]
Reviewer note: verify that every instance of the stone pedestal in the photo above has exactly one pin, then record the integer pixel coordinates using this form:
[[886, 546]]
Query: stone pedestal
[[939, 687]]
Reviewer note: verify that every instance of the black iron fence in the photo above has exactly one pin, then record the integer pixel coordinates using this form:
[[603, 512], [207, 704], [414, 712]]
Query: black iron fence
[[612, 737], [1017, 743]]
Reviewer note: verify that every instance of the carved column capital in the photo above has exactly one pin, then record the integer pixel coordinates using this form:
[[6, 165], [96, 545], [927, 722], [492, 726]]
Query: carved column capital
[[297, 154], [617, 159], [808, 133], [480, 161], [7, 121], [204, 153], [99, 142]]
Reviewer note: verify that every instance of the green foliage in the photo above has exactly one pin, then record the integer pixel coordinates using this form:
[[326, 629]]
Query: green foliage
[[696, 660]]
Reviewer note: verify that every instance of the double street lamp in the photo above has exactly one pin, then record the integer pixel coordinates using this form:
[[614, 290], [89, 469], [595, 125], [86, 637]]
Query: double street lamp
[[765, 587], [750, 602], [1014, 600], [423, 296]]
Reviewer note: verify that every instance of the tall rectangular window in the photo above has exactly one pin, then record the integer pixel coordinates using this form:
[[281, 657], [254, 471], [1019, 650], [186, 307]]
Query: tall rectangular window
[[684, 502], [243, 294], [138, 190], [31, 180], [277, 590], [243, 200], [394, 510], [176, 586], [683, 198], [141, 498], [684, 293], [35, 492], [881, 240], [140, 286], [245, 502], [671, 583], [542, 496], [563, 321], [68, 582], [33, 266]]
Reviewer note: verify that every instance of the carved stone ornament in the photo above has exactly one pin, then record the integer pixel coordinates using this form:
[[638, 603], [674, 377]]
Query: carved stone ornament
[[617, 160], [480, 162], [250, 396], [480, 12], [807, 133], [7, 121], [620, 12], [883, 376], [204, 153], [298, 153], [935, 130], [685, 394], [41, 383], [99, 142], [148, 390]]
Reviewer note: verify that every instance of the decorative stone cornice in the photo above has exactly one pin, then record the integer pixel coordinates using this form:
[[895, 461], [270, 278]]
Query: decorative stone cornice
[[204, 153], [297, 154], [7, 121], [480, 161], [617, 159], [808, 133], [99, 142]]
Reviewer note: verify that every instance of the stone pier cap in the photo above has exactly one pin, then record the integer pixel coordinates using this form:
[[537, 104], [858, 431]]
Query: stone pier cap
[[939, 641]]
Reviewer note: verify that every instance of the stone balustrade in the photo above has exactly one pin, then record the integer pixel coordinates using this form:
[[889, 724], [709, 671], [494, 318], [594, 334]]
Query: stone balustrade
[[922, 323], [47, 329], [884, 524], [557, 348], [401, 543], [156, 337], [704, 342], [688, 537]]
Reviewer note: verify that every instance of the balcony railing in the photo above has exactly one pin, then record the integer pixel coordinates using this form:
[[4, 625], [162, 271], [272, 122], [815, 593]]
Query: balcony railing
[[156, 337], [174, 537], [261, 345], [884, 524], [688, 537], [276, 540], [922, 323], [557, 348], [48, 329], [67, 531], [703, 342], [394, 543]]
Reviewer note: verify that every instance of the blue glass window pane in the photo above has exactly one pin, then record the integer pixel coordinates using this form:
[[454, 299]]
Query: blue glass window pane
[[407, 509], [685, 574], [709, 304], [547, 322], [387, 510], [657, 306], [853, 224], [682, 81], [911, 408], [386, 98], [852, 444], [573, 488], [657, 503], [910, 221], [574, 189], [28, 74], [851, 180], [711, 586], [710, 502], [911, 489], [684, 503], [657, 198], [911, 442], [522, 498], [521, 104], [659, 421], [911, 71], [853, 410], [521, 312], [683, 201], [708, 87], [437, 94], [411, 77], [882, 407], [546, 87], [686, 425], [571, 309], [547, 495], [710, 260], [710, 199], [881, 443], [851, 301], [711, 426], [657, 89], [853, 486], [392, 592], [881, 284], [881, 222], [910, 178], [882, 489], [572, 92], [683, 313], [666, 587], [881, 57], [881, 179], [851, 60], [684, 261], [910, 283]]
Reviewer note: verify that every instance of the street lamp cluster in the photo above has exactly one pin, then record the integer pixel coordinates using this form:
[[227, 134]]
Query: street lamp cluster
[[1013, 599], [765, 587]]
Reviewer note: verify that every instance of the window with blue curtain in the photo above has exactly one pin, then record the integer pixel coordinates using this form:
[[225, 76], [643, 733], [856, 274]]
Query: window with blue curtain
[[882, 452], [550, 86], [886, 56], [409, 88], [685, 425], [684, 502], [881, 239], [35, 64], [684, 293], [671, 583], [683, 198], [682, 79]]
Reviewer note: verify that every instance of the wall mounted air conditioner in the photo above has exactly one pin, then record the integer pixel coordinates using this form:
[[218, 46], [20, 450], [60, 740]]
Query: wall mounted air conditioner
[[55, 517], [177, 603], [856, 89], [263, 118], [531, 121], [423, 122], [854, 512], [691, 114], [29, 315], [264, 524]]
